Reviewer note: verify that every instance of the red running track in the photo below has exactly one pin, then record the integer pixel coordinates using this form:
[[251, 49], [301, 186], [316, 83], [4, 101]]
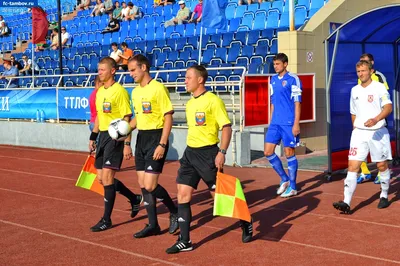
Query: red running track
[[45, 220]]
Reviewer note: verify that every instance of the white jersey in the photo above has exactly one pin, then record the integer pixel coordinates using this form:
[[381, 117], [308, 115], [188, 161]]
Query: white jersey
[[367, 103]]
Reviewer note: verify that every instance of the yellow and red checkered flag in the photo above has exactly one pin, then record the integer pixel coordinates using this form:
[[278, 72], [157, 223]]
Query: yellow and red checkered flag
[[87, 178], [229, 198]]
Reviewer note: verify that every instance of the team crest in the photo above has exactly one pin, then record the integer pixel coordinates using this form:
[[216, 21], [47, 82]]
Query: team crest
[[284, 83], [370, 98], [200, 118], [146, 107], [106, 107]]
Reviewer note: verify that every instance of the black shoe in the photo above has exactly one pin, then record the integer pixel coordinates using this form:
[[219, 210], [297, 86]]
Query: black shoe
[[247, 231], [101, 226], [180, 246], [136, 205], [342, 206], [173, 223], [383, 203], [148, 230]]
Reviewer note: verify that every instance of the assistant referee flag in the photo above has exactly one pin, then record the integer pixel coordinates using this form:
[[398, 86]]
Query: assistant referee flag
[[87, 178]]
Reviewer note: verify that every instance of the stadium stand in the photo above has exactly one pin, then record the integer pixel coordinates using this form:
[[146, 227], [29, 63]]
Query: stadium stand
[[250, 39]]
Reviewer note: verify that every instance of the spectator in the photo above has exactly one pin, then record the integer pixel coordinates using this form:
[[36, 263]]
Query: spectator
[[54, 40], [27, 69], [198, 11], [98, 9], [15, 63], [183, 14], [1, 20], [113, 25], [85, 4], [9, 72], [128, 53], [125, 11], [108, 6], [66, 38], [133, 12], [117, 14], [116, 53], [163, 2], [4, 30]]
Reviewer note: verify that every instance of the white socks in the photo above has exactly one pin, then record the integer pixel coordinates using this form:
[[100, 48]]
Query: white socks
[[350, 184], [385, 181]]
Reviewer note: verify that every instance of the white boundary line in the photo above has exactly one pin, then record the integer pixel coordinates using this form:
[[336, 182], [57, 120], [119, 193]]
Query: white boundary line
[[211, 227], [11, 147], [89, 243]]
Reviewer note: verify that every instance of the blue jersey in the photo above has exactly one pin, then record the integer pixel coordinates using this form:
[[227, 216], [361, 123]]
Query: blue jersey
[[284, 91]]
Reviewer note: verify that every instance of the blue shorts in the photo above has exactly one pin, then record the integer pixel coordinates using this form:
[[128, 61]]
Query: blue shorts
[[278, 133]]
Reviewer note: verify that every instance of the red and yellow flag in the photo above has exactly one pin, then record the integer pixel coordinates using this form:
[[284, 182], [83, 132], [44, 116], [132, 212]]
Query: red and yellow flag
[[87, 178], [229, 198]]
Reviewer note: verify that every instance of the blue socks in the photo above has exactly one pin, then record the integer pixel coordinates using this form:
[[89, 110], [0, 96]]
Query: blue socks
[[277, 165], [292, 169]]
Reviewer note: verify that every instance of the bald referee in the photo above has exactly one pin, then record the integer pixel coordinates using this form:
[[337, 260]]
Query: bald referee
[[202, 159], [112, 102]]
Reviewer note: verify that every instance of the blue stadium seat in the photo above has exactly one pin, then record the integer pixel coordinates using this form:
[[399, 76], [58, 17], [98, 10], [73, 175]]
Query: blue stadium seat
[[227, 38], [279, 5], [221, 53], [190, 30], [207, 55], [273, 19], [240, 11], [273, 49], [265, 6], [260, 21], [241, 36], [305, 3], [233, 53], [300, 15], [230, 12], [284, 22], [234, 24]]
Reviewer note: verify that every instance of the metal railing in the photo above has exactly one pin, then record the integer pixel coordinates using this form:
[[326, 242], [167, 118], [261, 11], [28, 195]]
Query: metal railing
[[234, 87]]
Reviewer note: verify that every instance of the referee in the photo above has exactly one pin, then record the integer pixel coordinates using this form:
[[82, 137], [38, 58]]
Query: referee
[[202, 159], [112, 102], [153, 118]]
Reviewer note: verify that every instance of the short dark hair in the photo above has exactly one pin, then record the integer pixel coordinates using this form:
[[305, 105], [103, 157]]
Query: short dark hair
[[364, 63], [201, 70], [130, 4], [55, 29], [141, 60], [114, 44], [281, 57], [110, 61], [370, 56], [124, 44]]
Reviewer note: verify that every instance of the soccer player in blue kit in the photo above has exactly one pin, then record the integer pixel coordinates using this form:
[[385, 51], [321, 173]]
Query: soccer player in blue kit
[[285, 91]]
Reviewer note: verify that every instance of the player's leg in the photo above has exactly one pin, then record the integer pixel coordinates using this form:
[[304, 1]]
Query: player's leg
[[272, 138], [290, 142], [187, 180], [381, 152], [134, 199], [359, 150]]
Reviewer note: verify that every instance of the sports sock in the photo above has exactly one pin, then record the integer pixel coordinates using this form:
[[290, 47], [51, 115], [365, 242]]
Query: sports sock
[[350, 184], [292, 169], [277, 165], [123, 190], [109, 199], [385, 182], [185, 217], [160, 193], [364, 168], [150, 205]]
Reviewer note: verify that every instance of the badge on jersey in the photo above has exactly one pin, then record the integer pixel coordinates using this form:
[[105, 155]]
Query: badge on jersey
[[107, 107], [200, 118], [146, 107], [370, 98], [284, 83]]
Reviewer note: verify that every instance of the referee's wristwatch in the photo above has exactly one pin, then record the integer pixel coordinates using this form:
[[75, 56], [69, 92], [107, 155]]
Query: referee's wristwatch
[[222, 151], [127, 143], [162, 145]]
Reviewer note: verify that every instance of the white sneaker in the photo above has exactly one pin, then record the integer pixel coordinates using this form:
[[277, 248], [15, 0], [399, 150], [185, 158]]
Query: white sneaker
[[289, 192], [282, 187]]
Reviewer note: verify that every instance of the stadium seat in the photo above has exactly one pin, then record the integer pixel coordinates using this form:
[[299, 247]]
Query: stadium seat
[[273, 19]]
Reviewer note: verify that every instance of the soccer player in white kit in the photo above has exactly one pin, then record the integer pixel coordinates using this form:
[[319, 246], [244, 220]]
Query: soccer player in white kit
[[370, 104]]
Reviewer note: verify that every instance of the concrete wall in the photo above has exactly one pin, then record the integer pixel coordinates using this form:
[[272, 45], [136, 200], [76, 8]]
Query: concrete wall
[[76, 137], [297, 44]]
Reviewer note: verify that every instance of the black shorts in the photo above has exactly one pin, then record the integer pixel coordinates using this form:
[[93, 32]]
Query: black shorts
[[196, 164], [146, 143], [109, 152]]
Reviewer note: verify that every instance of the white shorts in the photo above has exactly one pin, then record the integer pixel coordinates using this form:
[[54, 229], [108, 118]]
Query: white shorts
[[376, 142]]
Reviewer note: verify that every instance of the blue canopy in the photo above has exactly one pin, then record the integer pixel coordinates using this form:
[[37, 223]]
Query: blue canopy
[[381, 25], [376, 32]]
